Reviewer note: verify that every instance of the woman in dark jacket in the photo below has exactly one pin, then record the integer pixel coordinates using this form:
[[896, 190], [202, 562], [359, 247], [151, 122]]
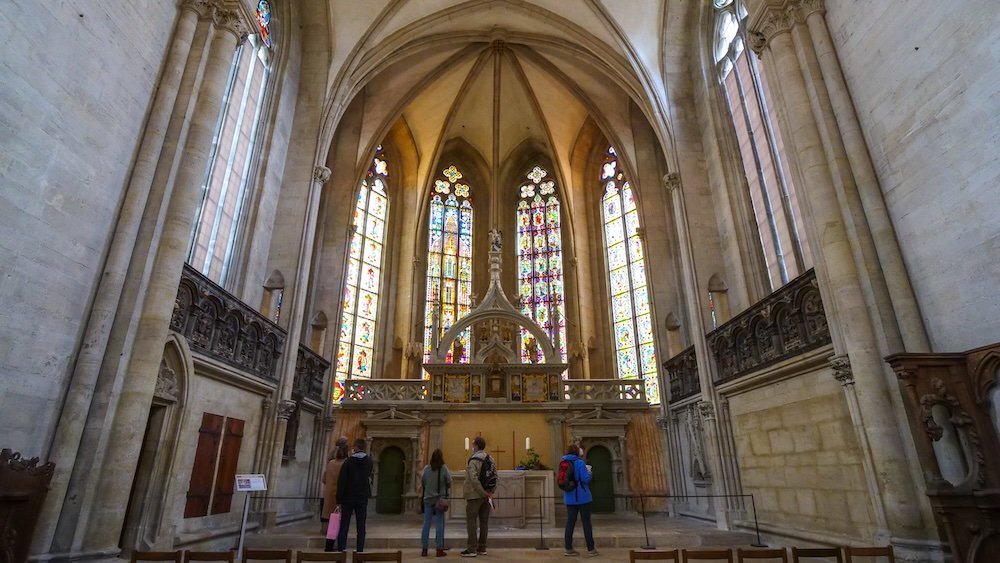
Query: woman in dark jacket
[[353, 491], [436, 482]]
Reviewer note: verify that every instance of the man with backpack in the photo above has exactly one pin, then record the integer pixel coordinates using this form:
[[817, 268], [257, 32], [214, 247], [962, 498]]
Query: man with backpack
[[574, 479], [480, 482]]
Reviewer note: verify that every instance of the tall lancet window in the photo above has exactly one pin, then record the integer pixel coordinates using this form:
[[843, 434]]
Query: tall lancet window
[[225, 196], [630, 308], [363, 278], [772, 192], [539, 261], [449, 262]]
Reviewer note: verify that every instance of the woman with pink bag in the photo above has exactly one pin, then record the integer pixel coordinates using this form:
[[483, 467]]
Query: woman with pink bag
[[330, 509], [437, 485]]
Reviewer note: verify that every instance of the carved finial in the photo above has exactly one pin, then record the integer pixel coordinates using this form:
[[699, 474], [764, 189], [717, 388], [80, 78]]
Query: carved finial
[[285, 409], [672, 181], [321, 174], [842, 369]]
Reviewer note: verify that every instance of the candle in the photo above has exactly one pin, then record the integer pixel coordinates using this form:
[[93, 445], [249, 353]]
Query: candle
[[466, 443], [527, 442]]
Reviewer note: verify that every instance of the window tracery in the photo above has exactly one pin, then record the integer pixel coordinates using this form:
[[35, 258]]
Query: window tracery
[[363, 278], [539, 261], [631, 314]]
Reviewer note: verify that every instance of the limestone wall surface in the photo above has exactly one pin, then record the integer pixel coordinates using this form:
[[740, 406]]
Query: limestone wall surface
[[926, 85], [78, 80], [799, 456]]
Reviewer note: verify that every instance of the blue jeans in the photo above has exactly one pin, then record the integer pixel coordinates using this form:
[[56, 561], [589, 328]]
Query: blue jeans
[[438, 517], [588, 531], [360, 510]]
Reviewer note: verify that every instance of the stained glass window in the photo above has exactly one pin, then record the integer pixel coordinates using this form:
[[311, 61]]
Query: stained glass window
[[539, 261], [762, 149], [264, 21], [363, 278], [225, 195], [631, 314], [449, 262]]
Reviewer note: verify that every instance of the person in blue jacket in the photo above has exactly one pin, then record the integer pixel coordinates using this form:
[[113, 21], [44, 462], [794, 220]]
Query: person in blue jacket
[[578, 501]]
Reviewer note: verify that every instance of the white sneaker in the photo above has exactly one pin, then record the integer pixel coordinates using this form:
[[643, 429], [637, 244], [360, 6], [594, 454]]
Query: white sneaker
[[571, 553]]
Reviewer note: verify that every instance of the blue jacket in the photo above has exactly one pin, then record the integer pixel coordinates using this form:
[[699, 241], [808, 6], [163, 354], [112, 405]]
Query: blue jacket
[[581, 494]]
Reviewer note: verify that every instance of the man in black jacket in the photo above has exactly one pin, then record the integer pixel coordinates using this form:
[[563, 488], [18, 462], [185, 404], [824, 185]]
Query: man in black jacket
[[353, 491]]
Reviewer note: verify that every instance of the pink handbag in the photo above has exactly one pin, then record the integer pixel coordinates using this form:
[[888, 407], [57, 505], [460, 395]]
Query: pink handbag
[[333, 529]]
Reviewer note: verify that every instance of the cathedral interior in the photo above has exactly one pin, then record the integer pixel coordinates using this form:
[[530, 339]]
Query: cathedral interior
[[733, 249]]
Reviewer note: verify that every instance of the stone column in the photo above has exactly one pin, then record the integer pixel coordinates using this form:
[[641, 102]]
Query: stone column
[[67, 440], [557, 447], [132, 409], [689, 280], [783, 44], [297, 308]]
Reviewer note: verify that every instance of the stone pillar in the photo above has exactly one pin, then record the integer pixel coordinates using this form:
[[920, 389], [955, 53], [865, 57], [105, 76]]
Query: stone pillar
[[782, 42], [296, 309], [67, 439], [132, 408], [557, 447], [689, 280]]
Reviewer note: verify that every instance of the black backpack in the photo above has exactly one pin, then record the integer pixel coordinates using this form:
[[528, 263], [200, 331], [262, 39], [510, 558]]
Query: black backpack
[[488, 474], [567, 475]]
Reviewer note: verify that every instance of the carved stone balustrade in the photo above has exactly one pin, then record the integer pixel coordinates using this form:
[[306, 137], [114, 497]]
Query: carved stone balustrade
[[605, 390], [310, 369], [952, 407], [682, 375], [784, 324], [220, 326], [387, 390]]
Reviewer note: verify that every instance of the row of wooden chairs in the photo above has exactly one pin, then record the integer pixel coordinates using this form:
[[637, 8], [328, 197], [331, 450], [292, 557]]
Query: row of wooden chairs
[[799, 555], [284, 555]]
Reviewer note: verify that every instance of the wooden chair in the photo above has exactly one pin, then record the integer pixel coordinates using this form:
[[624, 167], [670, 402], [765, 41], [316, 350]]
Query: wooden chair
[[798, 553], [267, 555], [209, 556], [853, 552], [396, 556], [175, 556], [707, 554], [750, 554], [325, 556], [654, 555]]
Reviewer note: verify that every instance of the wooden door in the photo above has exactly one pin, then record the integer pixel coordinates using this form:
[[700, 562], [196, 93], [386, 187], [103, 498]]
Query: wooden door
[[602, 486], [391, 468]]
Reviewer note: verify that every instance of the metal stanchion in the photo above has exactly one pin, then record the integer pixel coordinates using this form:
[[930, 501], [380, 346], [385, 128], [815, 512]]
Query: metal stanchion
[[642, 509], [753, 506], [541, 527]]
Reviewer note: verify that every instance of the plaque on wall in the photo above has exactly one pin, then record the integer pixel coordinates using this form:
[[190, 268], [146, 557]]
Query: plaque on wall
[[456, 388], [535, 388]]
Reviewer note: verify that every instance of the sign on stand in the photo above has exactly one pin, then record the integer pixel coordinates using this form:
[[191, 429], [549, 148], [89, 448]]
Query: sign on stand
[[247, 483]]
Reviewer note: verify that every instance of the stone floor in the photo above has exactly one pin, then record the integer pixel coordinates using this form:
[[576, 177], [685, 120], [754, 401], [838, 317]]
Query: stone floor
[[614, 536]]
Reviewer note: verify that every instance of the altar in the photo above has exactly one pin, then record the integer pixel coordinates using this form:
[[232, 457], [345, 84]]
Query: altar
[[522, 499]]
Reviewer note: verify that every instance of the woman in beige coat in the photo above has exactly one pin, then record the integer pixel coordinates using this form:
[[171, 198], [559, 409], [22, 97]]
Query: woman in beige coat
[[330, 475]]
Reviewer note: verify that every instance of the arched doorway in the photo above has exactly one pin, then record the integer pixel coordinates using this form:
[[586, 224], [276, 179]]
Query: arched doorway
[[391, 469], [602, 486]]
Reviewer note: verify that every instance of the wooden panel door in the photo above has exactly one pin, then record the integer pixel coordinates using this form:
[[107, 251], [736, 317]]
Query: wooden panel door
[[391, 467], [602, 486]]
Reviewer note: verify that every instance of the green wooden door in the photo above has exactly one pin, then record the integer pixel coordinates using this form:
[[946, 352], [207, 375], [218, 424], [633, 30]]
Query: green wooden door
[[602, 486], [390, 482]]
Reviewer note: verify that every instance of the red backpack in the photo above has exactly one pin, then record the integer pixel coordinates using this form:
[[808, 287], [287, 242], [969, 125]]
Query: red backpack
[[566, 478]]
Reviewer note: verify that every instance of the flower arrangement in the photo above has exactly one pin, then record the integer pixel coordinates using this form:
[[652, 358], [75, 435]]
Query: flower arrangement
[[531, 460]]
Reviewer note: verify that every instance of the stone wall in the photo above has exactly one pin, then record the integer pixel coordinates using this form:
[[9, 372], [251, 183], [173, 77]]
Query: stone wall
[[925, 83], [799, 456], [78, 81]]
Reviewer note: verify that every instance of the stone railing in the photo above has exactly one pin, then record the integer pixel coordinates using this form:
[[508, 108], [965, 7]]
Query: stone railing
[[220, 326], [310, 370], [784, 324], [632, 390], [391, 390], [682, 375]]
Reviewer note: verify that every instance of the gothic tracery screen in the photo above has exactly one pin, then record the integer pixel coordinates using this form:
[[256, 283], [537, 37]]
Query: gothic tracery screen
[[449, 262], [539, 260], [635, 349], [363, 278]]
